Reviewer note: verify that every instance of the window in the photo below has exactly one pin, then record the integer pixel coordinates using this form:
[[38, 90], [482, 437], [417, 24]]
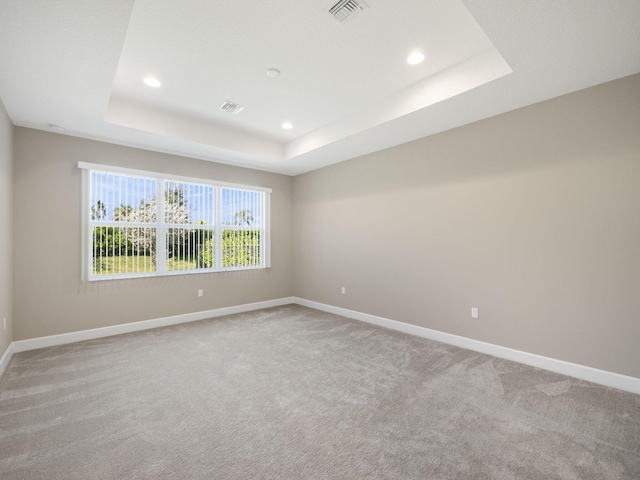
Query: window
[[140, 224]]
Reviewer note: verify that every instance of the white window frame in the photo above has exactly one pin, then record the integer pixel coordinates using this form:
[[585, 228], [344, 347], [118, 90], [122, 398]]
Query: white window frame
[[162, 227]]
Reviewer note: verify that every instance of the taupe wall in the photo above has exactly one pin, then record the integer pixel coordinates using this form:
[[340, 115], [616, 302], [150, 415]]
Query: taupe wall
[[50, 298], [6, 202], [532, 216]]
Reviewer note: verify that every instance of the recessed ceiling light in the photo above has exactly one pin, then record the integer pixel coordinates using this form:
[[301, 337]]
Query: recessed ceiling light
[[415, 58], [287, 126], [152, 82], [56, 128], [273, 73]]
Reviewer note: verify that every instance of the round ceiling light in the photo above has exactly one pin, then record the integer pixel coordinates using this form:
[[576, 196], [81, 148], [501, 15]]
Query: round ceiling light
[[152, 82], [287, 126], [415, 58], [273, 72]]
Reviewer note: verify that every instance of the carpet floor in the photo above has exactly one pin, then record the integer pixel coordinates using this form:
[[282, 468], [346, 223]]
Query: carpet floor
[[294, 393]]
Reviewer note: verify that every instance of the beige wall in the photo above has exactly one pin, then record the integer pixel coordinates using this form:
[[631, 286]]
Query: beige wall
[[532, 216], [6, 202], [50, 298]]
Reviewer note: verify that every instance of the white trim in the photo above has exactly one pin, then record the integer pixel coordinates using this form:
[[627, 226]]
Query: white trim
[[6, 358], [168, 176], [85, 236], [602, 377], [64, 338]]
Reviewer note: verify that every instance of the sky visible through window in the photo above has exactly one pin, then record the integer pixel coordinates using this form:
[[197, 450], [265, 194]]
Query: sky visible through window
[[112, 194]]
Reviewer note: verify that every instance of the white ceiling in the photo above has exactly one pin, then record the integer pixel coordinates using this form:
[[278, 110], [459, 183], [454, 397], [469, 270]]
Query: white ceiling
[[346, 87]]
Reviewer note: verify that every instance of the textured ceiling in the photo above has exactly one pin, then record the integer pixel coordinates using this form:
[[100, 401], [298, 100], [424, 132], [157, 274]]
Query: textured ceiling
[[346, 87]]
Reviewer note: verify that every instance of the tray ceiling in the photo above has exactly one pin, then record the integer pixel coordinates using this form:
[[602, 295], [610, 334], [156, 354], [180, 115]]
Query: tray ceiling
[[344, 86]]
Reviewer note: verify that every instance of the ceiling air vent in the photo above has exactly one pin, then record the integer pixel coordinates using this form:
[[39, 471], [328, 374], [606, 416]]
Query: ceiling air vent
[[231, 107], [345, 10]]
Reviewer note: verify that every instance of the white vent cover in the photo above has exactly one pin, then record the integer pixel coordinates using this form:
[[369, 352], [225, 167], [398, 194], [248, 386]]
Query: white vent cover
[[231, 107], [345, 10]]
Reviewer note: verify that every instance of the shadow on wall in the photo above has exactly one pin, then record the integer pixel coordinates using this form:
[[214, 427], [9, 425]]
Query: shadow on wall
[[584, 126]]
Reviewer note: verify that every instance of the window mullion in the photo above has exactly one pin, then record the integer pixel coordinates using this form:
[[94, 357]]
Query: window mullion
[[265, 231], [217, 230], [161, 229]]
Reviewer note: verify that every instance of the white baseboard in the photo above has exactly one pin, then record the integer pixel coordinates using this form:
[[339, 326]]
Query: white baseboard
[[64, 338], [602, 377], [6, 358]]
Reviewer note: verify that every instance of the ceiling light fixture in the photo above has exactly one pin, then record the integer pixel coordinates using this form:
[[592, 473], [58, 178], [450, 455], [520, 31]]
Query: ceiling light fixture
[[56, 128], [287, 126], [415, 58], [273, 73], [152, 82]]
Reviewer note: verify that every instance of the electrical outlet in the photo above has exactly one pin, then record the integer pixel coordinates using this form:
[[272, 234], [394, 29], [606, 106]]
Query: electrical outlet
[[475, 313], [344, 290], [5, 323], [200, 292]]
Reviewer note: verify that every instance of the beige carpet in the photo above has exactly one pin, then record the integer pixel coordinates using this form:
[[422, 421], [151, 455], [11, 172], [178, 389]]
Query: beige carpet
[[293, 393]]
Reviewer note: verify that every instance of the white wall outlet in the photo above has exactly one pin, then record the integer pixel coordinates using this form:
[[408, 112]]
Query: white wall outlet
[[344, 290], [5, 323], [475, 313], [200, 292]]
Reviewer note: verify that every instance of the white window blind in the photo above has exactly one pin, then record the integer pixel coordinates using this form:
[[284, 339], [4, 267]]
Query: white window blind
[[145, 224]]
